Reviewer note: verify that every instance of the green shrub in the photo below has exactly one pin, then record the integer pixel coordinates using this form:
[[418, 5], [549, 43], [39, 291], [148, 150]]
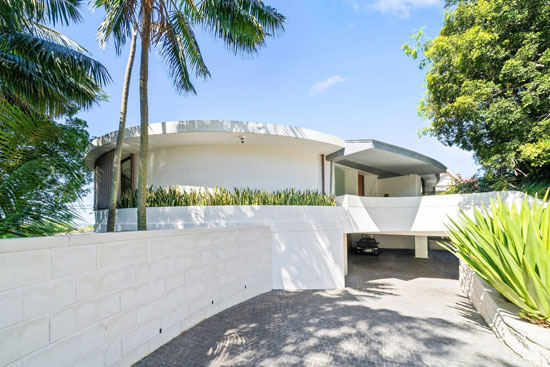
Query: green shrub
[[510, 249], [175, 196]]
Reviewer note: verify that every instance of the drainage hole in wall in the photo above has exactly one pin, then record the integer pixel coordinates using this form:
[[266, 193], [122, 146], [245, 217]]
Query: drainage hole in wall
[[160, 331], [212, 301], [245, 286]]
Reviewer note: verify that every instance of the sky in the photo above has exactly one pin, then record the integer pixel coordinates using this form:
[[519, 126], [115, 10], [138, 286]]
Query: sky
[[338, 68]]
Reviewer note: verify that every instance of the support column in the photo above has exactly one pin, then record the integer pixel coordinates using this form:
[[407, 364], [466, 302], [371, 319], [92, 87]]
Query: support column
[[421, 247]]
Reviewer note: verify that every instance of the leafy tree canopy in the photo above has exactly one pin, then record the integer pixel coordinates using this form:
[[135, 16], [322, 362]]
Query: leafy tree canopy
[[488, 85], [45, 77]]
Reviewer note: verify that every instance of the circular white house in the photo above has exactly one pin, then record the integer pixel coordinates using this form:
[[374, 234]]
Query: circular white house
[[231, 154]]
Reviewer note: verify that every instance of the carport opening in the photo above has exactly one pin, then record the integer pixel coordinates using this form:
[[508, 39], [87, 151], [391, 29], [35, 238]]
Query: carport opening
[[376, 245]]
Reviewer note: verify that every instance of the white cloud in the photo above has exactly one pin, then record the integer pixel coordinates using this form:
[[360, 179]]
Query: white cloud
[[327, 83], [400, 8]]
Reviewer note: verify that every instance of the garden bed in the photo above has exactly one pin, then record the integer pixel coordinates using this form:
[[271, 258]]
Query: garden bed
[[530, 341]]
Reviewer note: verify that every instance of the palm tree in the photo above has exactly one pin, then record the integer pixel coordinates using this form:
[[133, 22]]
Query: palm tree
[[243, 25], [113, 195], [43, 75], [41, 67]]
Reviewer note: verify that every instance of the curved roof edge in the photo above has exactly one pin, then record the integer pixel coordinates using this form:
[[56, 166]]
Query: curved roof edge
[[107, 142], [377, 144]]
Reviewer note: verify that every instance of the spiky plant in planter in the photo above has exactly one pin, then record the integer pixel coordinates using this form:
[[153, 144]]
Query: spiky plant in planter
[[175, 196], [509, 247]]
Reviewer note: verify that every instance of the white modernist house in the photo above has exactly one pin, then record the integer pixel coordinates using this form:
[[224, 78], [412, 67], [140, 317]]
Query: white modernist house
[[382, 190]]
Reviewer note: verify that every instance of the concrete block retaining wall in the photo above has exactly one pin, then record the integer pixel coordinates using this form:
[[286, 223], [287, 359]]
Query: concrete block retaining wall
[[111, 299], [308, 241], [528, 340]]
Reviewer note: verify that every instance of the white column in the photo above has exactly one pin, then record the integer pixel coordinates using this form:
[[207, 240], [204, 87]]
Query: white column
[[346, 249], [421, 247]]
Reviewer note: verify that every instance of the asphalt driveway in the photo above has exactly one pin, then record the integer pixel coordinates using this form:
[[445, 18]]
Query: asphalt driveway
[[395, 311]]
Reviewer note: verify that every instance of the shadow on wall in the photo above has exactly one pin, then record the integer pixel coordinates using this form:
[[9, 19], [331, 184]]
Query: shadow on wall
[[322, 328]]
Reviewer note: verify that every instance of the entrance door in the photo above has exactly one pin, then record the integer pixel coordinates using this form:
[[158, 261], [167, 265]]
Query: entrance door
[[361, 184]]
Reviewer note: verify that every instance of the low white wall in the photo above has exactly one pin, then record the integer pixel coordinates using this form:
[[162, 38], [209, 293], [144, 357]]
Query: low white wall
[[421, 215], [308, 247], [110, 299]]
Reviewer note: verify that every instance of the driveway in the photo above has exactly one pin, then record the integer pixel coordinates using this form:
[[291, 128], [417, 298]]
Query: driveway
[[395, 311]]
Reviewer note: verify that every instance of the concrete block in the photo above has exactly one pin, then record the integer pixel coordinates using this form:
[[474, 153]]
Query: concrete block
[[33, 243], [121, 253], [104, 280], [141, 293], [165, 246], [167, 301], [69, 349], [161, 339], [80, 315], [189, 259], [94, 359], [22, 268], [154, 268], [113, 351], [48, 296], [133, 356], [191, 292], [193, 319], [35, 333], [73, 260], [120, 323], [174, 280], [11, 307], [174, 317], [202, 272], [142, 334]]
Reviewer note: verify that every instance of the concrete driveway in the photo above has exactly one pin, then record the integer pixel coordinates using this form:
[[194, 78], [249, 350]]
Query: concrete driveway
[[395, 311]]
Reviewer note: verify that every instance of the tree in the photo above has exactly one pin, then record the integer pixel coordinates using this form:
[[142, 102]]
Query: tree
[[42, 171], [243, 25], [113, 194], [41, 68], [488, 85], [43, 76]]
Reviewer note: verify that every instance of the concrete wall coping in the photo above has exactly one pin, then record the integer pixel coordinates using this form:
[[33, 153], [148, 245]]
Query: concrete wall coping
[[528, 340], [39, 243]]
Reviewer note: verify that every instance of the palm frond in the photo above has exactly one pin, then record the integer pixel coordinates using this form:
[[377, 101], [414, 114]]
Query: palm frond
[[181, 53], [46, 74]]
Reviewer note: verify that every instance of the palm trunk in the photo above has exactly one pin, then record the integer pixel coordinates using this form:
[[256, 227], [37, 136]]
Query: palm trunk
[[144, 112], [113, 197]]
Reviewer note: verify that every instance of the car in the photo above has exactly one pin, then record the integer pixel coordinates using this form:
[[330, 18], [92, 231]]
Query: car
[[367, 245]]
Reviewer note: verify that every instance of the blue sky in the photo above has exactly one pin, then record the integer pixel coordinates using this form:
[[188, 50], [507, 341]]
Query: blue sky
[[338, 68]]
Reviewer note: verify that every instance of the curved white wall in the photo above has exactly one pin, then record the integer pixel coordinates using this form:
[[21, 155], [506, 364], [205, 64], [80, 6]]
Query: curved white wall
[[233, 166]]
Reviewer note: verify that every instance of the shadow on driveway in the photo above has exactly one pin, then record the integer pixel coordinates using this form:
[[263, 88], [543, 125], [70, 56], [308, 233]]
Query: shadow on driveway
[[395, 311]]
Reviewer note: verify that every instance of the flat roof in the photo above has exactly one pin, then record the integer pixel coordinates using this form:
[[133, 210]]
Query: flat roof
[[218, 132], [385, 160]]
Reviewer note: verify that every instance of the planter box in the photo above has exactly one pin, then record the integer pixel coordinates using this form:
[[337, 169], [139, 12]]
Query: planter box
[[530, 341]]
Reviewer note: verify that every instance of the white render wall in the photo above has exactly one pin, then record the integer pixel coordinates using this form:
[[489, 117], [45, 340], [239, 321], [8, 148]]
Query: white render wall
[[239, 166], [308, 241], [421, 215], [103, 299], [410, 185]]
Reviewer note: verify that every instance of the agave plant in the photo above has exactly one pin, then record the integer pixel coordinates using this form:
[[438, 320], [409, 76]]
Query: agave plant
[[509, 247], [175, 196]]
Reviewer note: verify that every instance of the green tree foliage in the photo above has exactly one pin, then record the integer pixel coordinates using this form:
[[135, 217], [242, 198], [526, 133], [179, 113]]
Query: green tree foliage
[[45, 77], [42, 172], [488, 85], [41, 67]]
